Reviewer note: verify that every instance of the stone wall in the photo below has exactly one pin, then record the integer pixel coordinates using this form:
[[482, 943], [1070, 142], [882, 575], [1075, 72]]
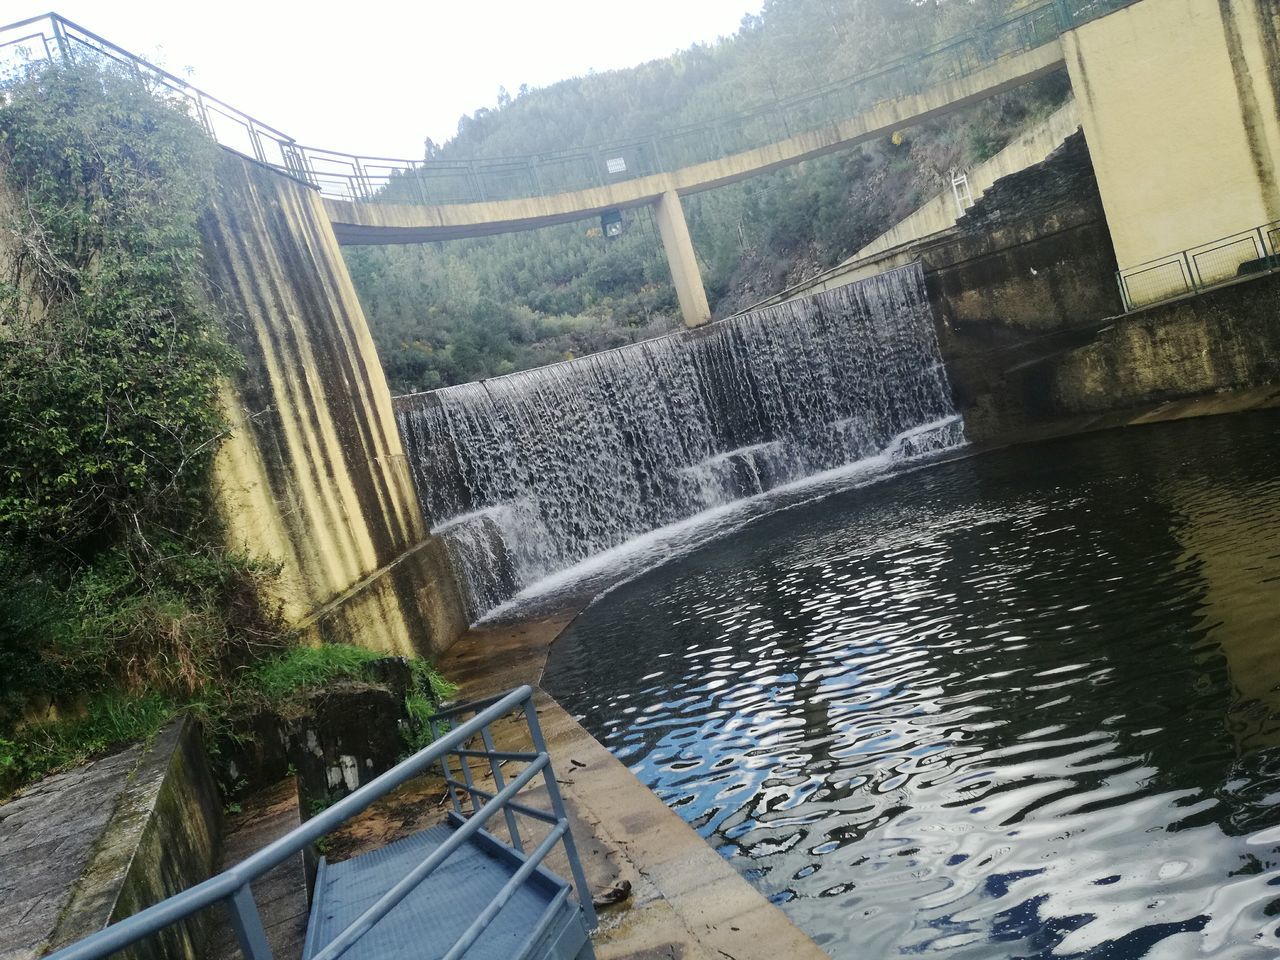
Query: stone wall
[[1031, 324], [339, 739], [1224, 340], [1029, 264], [314, 475]]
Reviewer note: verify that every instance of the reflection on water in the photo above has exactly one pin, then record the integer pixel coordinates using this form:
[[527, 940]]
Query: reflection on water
[[1023, 705]]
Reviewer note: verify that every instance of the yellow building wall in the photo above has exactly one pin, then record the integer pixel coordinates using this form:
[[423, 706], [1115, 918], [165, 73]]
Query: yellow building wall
[[1178, 100], [313, 474]]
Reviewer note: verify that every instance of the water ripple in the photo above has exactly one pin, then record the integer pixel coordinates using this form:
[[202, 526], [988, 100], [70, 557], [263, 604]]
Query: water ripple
[[1025, 705]]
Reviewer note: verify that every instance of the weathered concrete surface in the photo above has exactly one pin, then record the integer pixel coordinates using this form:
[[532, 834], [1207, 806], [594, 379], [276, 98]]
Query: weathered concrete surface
[[1032, 256], [372, 223], [47, 834], [1224, 340], [1030, 148], [97, 844], [936, 220], [313, 475], [281, 893], [1179, 101], [678, 246]]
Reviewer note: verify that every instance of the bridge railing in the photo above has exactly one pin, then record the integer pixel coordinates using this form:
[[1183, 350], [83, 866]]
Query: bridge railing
[[1248, 253], [51, 37], [446, 180], [456, 730]]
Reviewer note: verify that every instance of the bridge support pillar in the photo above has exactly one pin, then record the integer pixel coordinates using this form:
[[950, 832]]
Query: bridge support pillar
[[683, 262]]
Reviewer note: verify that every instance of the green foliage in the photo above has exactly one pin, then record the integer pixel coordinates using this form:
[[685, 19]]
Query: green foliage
[[107, 721], [429, 689], [298, 669], [112, 355], [458, 311], [110, 718], [428, 680], [121, 602]]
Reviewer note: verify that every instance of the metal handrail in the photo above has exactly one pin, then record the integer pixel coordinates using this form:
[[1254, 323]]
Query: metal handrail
[[354, 176], [232, 887], [1263, 247]]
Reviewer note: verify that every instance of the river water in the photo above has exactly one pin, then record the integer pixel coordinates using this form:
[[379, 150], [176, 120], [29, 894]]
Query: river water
[[1025, 704]]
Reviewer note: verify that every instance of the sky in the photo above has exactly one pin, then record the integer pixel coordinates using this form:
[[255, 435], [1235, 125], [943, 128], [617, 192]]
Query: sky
[[379, 78]]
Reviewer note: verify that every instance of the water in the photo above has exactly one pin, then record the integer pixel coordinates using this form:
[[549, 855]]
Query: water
[[529, 474], [1025, 704]]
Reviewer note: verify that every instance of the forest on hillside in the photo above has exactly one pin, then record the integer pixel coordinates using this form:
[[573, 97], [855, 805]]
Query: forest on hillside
[[461, 310]]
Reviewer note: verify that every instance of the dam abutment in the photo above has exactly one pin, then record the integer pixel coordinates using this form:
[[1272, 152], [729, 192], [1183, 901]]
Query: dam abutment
[[313, 475]]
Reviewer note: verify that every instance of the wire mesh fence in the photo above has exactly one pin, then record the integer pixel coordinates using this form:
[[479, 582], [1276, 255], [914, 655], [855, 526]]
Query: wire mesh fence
[[1247, 253]]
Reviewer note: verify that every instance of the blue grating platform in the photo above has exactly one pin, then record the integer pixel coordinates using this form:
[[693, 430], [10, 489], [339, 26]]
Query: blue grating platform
[[540, 921]]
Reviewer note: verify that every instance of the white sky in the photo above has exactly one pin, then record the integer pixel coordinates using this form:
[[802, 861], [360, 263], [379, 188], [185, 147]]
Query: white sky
[[377, 78]]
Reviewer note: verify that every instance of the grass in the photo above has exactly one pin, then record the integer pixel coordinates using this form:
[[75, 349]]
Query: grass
[[108, 721], [282, 682], [280, 679]]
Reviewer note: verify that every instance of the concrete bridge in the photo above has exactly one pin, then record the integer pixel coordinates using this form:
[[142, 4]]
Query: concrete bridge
[[360, 222], [1179, 101]]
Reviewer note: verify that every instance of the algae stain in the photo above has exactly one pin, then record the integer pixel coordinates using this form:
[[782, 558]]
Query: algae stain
[[1264, 165]]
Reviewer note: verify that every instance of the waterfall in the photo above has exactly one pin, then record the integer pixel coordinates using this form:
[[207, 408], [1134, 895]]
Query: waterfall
[[532, 472]]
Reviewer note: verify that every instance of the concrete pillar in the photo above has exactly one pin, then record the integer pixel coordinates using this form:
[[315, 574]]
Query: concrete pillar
[[680, 257], [1178, 100]]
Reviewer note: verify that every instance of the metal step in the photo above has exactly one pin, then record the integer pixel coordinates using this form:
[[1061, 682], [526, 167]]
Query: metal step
[[540, 920]]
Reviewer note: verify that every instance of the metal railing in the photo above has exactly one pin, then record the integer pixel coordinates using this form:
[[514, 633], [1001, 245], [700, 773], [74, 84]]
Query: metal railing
[[1247, 253], [233, 887], [445, 179]]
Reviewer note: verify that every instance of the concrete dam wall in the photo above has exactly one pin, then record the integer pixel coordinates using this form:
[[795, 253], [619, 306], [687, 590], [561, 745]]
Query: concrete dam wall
[[528, 474], [313, 475]]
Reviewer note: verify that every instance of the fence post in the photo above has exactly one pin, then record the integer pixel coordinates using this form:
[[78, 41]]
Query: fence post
[[557, 807], [60, 36], [448, 773], [361, 178], [419, 178], [1191, 275], [499, 781], [202, 114], [248, 925]]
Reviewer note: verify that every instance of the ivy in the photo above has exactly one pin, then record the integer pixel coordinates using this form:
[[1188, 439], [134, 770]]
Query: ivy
[[121, 601], [113, 354]]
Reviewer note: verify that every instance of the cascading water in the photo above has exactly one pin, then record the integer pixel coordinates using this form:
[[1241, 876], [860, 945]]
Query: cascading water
[[530, 473]]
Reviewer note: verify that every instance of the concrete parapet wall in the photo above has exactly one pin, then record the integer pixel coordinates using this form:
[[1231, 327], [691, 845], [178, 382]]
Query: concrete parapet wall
[[941, 212], [96, 844], [357, 222], [901, 244], [314, 475]]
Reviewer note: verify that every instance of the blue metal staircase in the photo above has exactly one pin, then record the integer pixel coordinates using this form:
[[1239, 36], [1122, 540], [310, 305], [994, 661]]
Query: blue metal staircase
[[538, 920], [455, 890]]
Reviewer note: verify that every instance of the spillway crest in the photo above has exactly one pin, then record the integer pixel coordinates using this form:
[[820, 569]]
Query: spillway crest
[[530, 473]]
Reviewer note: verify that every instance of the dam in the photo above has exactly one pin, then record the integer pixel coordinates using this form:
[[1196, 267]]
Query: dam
[[525, 475], [925, 606]]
